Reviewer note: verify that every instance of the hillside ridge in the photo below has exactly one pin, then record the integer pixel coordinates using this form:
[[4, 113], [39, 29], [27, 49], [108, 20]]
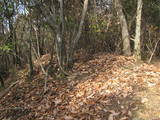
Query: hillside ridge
[[107, 87]]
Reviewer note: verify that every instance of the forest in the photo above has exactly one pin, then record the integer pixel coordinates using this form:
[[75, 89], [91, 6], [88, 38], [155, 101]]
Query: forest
[[79, 59]]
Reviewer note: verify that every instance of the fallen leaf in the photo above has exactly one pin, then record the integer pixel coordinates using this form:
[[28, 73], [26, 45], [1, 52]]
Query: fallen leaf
[[57, 101], [68, 118], [110, 117]]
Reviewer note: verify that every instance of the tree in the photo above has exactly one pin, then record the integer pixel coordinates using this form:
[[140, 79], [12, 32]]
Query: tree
[[124, 27], [137, 47], [54, 15], [77, 37]]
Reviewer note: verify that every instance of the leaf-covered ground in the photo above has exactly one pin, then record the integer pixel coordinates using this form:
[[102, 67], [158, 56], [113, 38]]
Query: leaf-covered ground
[[106, 87]]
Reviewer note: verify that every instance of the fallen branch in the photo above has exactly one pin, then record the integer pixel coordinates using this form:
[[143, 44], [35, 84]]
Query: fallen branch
[[14, 108], [3, 93]]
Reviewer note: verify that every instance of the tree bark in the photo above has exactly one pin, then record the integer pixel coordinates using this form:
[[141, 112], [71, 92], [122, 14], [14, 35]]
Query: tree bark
[[124, 27], [137, 47]]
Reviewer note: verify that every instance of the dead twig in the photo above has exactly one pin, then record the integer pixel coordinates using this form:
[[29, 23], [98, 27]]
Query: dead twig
[[150, 59]]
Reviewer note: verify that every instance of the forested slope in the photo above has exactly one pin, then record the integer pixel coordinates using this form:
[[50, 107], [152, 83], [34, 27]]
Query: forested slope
[[79, 59]]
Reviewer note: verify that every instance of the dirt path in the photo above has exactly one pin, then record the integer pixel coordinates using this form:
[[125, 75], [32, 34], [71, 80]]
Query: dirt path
[[150, 107]]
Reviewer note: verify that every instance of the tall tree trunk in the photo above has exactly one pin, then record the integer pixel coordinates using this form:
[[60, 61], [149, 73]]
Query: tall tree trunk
[[77, 37], [17, 57], [30, 55], [137, 47], [38, 33], [124, 27], [60, 45], [92, 7]]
